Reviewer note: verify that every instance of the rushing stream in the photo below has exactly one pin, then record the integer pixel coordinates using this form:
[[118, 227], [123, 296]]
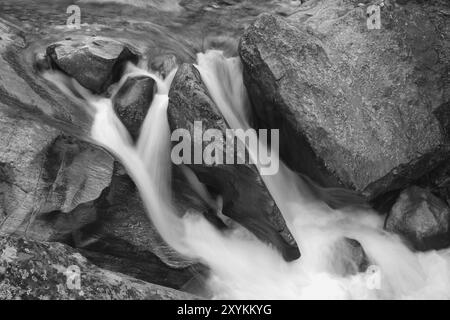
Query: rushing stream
[[242, 266]]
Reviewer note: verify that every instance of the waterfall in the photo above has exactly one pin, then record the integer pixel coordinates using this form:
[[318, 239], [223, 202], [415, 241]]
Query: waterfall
[[242, 267]]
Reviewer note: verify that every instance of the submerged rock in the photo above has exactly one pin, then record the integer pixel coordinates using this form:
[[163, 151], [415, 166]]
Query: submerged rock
[[132, 101], [95, 62], [245, 196], [123, 228], [53, 271], [354, 106], [421, 218], [348, 258]]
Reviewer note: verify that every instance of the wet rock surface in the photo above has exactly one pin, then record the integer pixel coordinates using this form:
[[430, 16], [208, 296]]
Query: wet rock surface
[[245, 197], [421, 218], [132, 101], [367, 110], [354, 106], [95, 62]]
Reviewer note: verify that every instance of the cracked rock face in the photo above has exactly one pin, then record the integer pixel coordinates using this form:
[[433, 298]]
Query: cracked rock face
[[48, 271], [355, 107]]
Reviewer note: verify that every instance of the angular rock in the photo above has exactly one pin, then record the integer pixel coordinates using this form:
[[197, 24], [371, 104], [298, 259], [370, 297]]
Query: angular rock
[[421, 218], [132, 102], [42, 170], [49, 271], [354, 106], [95, 62], [245, 196]]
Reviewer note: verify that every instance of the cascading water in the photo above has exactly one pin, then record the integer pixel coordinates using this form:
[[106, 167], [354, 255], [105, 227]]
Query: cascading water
[[316, 227], [241, 266]]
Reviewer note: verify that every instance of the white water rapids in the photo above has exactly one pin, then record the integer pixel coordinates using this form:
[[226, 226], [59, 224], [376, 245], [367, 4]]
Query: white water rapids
[[243, 267]]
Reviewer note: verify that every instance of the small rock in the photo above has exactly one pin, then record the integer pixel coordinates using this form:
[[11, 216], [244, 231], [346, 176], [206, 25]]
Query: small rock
[[421, 218], [94, 62], [132, 102]]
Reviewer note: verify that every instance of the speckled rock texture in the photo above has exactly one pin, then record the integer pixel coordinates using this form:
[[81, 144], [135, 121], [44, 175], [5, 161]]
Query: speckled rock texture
[[365, 109], [53, 271]]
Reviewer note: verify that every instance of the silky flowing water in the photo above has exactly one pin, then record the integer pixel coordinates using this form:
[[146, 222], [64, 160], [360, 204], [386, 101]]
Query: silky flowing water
[[243, 267]]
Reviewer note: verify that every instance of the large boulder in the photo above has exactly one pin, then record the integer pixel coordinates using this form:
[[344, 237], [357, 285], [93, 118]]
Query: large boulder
[[132, 102], [245, 196], [53, 271], [95, 62], [355, 107], [421, 218]]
